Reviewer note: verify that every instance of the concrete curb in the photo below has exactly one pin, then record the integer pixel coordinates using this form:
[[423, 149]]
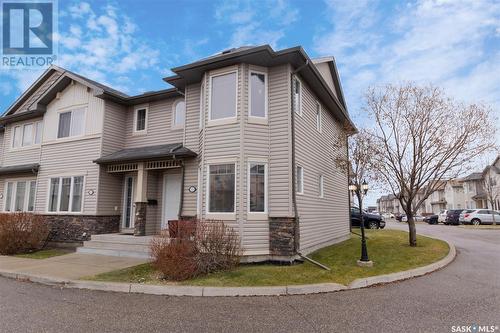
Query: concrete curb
[[233, 291]]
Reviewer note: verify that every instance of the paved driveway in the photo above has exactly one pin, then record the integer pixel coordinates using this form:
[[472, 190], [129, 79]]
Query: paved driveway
[[466, 292]]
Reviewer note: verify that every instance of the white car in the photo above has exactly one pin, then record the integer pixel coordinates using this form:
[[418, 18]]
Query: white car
[[442, 216], [480, 216], [416, 218]]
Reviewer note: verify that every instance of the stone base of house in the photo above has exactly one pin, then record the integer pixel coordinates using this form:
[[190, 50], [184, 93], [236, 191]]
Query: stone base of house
[[282, 237], [140, 218], [79, 228]]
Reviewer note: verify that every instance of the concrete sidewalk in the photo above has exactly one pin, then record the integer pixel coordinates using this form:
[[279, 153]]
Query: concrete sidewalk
[[70, 266]]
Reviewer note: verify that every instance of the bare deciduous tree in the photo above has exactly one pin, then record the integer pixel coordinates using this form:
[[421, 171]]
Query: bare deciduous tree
[[421, 137], [491, 191]]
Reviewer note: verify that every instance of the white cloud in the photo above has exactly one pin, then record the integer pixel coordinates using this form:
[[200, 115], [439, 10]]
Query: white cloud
[[256, 22], [447, 43]]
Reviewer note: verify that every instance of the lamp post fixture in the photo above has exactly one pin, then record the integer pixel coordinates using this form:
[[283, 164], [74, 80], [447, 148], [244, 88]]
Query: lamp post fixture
[[360, 190]]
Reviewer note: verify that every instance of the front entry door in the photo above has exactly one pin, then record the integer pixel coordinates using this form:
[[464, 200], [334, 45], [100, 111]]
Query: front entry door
[[128, 205], [171, 198]]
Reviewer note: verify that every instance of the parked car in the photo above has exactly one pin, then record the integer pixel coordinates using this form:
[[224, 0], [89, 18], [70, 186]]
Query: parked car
[[371, 221], [431, 219], [398, 217], [479, 216], [452, 216], [416, 218], [442, 216]]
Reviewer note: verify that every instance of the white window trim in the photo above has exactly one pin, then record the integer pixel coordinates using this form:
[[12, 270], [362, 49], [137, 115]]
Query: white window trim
[[14, 192], [145, 130], [71, 109], [321, 187], [69, 212], [319, 124], [264, 214], [300, 96], [199, 193], [227, 120], [33, 144], [223, 215], [257, 119], [302, 177], [174, 105]]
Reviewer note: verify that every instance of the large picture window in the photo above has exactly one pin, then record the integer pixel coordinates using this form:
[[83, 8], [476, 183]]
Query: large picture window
[[65, 194], [223, 96], [257, 187], [71, 123], [221, 188], [258, 94], [20, 196]]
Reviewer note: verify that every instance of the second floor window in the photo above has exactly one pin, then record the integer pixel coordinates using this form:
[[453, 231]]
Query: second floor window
[[258, 95], [71, 123], [27, 135], [140, 120], [223, 96], [318, 117], [179, 114], [297, 96]]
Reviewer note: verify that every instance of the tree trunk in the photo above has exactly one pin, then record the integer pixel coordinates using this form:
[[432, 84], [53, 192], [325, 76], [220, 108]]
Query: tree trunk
[[412, 231]]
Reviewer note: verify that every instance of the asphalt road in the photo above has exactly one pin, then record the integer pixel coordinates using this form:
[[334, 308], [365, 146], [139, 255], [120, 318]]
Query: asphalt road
[[465, 292]]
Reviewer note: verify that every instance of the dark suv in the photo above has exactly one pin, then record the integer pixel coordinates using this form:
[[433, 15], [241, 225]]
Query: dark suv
[[452, 216], [372, 221]]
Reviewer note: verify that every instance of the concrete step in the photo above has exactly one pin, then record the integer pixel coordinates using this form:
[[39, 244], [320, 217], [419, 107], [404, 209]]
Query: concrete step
[[115, 253], [116, 246]]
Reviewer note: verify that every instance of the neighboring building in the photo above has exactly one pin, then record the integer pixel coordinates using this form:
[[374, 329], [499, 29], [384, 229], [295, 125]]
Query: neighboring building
[[244, 136], [474, 194], [454, 194]]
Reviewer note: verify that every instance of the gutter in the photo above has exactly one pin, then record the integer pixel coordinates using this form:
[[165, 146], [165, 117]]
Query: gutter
[[294, 162]]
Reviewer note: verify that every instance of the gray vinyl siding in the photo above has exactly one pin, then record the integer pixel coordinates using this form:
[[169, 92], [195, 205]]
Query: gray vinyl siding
[[2, 148], [322, 220], [159, 126], [153, 213], [113, 139], [40, 91], [70, 158], [280, 159], [22, 155]]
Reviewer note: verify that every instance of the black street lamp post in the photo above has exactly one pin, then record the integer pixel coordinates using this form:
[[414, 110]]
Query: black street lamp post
[[360, 191]]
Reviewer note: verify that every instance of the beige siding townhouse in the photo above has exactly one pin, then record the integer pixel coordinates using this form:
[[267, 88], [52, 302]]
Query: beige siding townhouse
[[491, 184], [246, 136]]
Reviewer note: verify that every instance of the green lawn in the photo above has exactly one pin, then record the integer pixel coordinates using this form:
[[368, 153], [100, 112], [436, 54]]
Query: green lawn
[[43, 254], [388, 249]]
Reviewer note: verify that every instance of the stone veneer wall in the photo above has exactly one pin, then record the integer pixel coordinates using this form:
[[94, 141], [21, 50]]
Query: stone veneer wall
[[78, 228], [282, 236]]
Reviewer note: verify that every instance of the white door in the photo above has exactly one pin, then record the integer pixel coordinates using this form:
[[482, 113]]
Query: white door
[[171, 198], [128, 204]]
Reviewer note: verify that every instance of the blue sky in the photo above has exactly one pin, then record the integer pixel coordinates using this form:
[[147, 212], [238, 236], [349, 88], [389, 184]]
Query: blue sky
[[131, 45]]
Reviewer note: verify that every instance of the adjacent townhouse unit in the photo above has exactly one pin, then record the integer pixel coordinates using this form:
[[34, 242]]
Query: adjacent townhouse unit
[[454, 194], [245, 136], [474, 194], [491, 184]]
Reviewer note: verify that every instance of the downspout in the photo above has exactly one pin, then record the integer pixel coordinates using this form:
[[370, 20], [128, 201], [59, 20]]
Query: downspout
[[181, 201], [294, 162]]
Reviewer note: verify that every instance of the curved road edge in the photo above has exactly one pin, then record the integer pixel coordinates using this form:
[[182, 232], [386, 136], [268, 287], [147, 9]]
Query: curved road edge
[[235, 291]]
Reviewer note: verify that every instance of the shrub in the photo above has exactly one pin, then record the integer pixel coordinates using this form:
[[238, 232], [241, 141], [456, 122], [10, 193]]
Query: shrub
[[22, 232], [202, 247]]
